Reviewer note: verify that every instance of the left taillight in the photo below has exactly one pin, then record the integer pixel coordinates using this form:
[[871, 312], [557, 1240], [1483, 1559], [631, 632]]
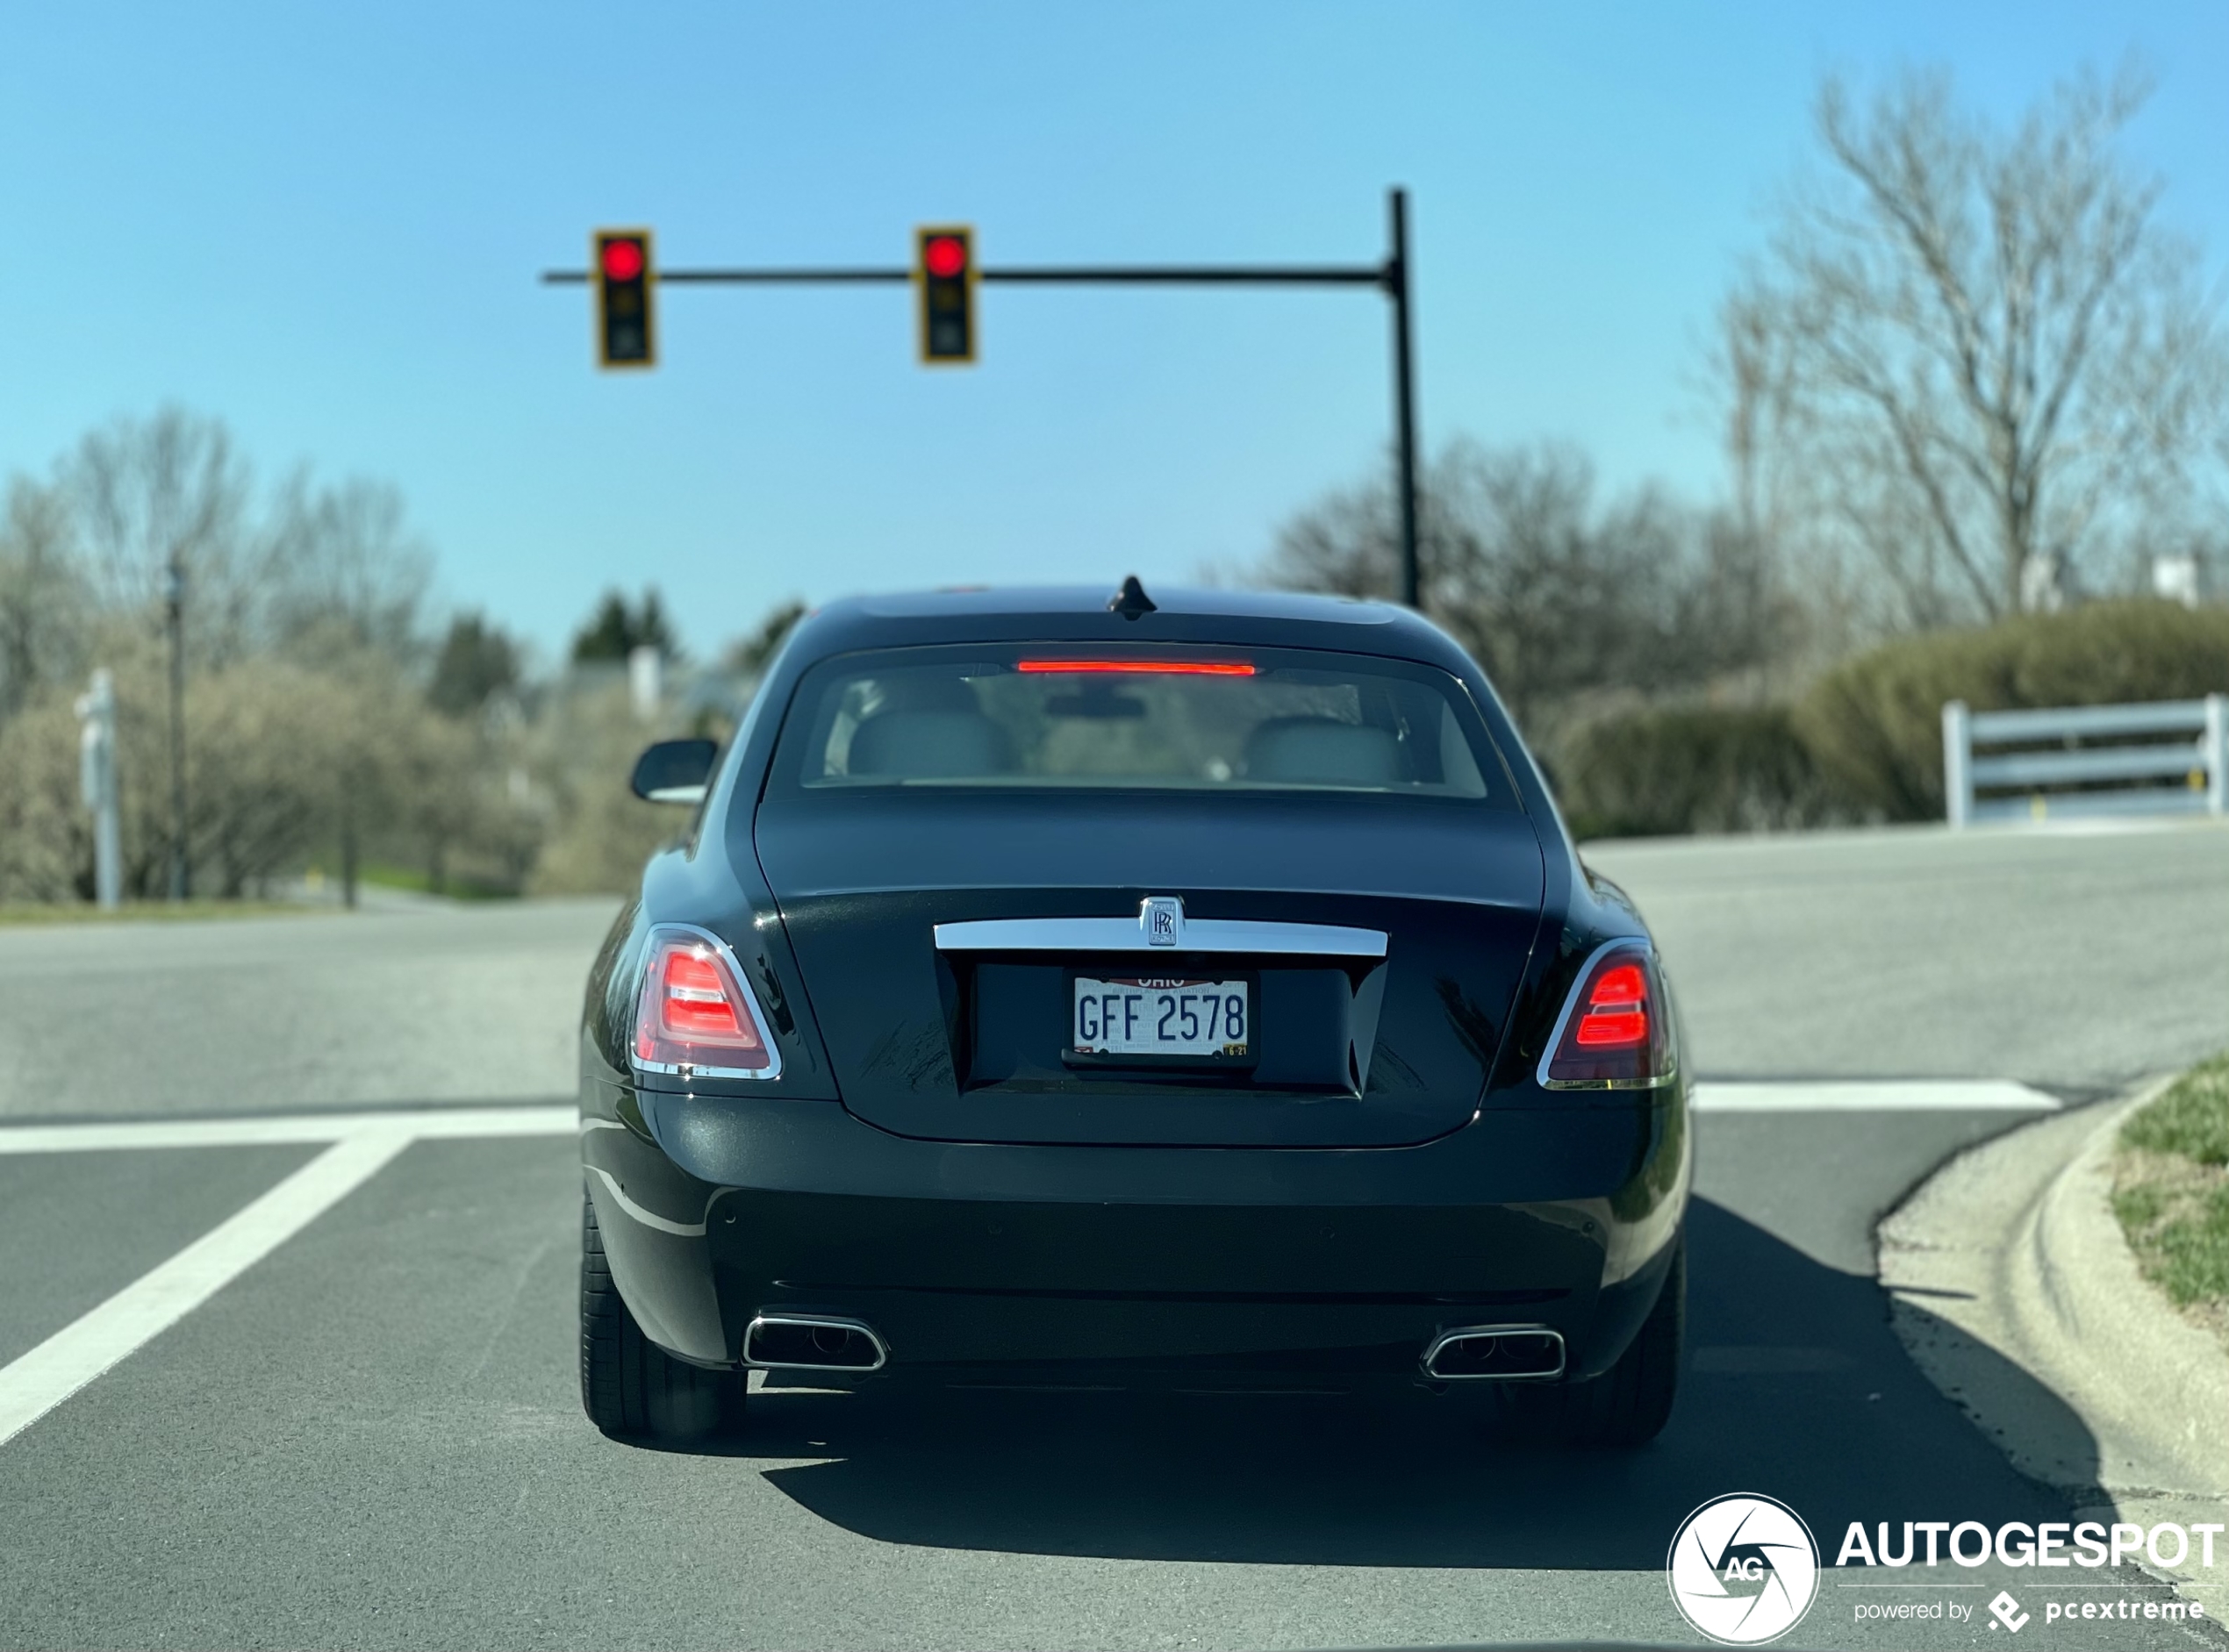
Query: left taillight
[[1616, 1030], [697, 1012]]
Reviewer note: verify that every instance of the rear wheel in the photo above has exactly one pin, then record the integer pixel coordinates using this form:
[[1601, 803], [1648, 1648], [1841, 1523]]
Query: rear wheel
[[630, 1385], [1627, 1404]]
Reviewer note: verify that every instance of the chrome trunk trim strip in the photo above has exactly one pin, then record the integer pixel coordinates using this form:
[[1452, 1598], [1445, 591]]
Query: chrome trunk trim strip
[[1125, 935]]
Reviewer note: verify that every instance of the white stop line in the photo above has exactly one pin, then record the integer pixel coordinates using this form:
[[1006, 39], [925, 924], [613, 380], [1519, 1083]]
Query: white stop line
[[361, 1145], [1884, 1095]]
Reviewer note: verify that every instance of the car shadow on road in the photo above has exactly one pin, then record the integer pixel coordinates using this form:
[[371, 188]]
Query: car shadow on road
[[1796, 1387]]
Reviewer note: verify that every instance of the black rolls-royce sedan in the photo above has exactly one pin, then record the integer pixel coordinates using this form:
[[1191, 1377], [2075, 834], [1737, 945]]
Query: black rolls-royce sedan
[[1053, 989]]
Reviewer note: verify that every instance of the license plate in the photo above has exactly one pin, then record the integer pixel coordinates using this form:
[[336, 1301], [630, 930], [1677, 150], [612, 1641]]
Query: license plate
[[1156, 1015]]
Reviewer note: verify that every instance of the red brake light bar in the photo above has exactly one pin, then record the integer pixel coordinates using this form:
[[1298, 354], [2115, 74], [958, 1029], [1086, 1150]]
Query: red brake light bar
[[1616, 1016], [1614, 1032], [1164, 668]]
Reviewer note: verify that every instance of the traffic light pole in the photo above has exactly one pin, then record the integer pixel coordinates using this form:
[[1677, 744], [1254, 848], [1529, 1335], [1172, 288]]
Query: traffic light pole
[[1404, 399], [1390, 278]]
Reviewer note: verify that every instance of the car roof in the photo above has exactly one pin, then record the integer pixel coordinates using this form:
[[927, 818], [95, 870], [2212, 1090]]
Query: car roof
[[1081, 613]]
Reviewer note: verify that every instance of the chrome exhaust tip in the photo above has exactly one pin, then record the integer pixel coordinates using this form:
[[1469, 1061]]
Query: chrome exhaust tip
[[812, 1342], [1495, 1353]]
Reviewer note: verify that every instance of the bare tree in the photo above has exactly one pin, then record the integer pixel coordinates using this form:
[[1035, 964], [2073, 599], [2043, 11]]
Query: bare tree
[[1557, 593], [305, 723], [341, 566], [44, 607], [148, 492], [1348, 543], [1972, 356]]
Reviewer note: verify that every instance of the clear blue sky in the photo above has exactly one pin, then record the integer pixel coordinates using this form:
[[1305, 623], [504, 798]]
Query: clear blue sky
[[323, 223]]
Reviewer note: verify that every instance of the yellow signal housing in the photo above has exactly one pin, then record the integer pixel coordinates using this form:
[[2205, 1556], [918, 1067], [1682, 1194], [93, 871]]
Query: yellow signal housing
[[626, 327], [944, 280]]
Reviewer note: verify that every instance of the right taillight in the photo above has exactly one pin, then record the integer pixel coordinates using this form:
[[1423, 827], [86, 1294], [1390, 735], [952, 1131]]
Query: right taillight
[[1616, 1029]]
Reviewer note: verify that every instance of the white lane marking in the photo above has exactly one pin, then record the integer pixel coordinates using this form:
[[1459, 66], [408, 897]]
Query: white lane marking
[[36, 1382], [361, 1145], [444, 1124], [1919, 1095]]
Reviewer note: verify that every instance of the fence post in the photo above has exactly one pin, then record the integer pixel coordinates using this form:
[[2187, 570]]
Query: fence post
[[1958, 764], [2217, 744]]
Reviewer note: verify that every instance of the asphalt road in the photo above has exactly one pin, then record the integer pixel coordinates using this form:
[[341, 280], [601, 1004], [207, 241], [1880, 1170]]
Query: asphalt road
[[406, 1006], [2077, 959], [371, 1436]]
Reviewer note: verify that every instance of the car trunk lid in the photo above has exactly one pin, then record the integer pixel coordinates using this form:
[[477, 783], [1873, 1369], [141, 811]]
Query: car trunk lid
[[1353, 1041]]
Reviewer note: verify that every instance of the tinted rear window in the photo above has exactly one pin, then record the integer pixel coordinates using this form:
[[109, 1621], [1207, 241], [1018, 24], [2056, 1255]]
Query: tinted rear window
[[1169, 718]]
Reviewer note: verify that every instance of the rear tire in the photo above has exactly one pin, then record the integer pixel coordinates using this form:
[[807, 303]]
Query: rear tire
[[628, 1385], [1627, 1404]]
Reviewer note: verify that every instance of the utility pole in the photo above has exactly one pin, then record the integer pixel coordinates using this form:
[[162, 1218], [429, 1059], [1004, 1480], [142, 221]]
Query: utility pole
[[175, 604], [97, 782]]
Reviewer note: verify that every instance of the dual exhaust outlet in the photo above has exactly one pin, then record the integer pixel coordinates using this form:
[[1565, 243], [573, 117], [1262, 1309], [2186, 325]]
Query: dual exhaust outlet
[[1495, 1353], [812, 1342], [826, 1342]]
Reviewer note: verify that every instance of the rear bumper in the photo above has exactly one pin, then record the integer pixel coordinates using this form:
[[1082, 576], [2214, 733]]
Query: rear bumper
[[1189, 1262]]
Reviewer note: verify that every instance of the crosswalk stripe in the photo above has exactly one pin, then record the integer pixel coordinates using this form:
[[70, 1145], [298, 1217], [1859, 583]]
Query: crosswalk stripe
[[35, 1383], [357, 1147]]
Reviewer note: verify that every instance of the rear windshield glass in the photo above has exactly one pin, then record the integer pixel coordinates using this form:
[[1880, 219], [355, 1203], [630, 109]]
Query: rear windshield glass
[[1129, 720]]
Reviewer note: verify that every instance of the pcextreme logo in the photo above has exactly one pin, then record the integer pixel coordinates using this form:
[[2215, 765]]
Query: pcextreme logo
[[1743, 1569]]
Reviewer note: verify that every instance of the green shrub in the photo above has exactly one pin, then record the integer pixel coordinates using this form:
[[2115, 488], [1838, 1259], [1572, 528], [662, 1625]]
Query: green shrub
[[1873, 724], [1692, 769]]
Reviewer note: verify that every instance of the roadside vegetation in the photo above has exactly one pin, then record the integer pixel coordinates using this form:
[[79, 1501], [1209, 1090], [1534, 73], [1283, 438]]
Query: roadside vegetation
[[2171, 1192], [1971, 386], [338, 729]]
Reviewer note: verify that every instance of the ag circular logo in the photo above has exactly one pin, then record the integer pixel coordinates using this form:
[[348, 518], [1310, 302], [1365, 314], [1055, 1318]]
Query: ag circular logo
[[1743, 1569]]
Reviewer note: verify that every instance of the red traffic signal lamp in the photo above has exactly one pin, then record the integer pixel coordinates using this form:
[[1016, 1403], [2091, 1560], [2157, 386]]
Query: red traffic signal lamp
[[944, 276], [625, 334]]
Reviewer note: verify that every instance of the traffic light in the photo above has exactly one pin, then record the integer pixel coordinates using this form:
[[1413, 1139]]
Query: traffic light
[[624, 335], [945, 271]]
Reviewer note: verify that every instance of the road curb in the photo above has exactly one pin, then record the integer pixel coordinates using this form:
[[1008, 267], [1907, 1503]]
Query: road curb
[[2014, 1290], [2115, 1342]]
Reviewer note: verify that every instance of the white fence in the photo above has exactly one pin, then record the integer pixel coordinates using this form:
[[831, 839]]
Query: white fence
[[2202, 764]]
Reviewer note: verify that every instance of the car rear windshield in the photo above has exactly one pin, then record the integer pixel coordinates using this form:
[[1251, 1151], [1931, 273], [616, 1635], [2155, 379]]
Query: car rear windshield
[[1132, 720]]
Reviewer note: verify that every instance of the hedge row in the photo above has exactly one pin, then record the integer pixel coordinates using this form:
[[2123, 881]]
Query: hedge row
[[1696, 769], [1866, 742]]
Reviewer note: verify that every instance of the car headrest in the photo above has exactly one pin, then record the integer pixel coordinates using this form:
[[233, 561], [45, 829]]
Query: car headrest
[[930, 746], [1322, 751]]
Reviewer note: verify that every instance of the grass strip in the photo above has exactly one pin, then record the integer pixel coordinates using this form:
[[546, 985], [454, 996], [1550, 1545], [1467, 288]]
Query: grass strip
[[2171, 1191]]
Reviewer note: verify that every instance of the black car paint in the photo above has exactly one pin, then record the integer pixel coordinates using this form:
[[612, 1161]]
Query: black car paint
[[1416, 1033], [852, 1184]]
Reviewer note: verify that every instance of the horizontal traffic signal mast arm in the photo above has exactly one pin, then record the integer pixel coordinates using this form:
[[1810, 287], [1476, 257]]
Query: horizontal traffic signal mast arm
[[1160, 275], [1205, 275], [945, 345], [561, 277]]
